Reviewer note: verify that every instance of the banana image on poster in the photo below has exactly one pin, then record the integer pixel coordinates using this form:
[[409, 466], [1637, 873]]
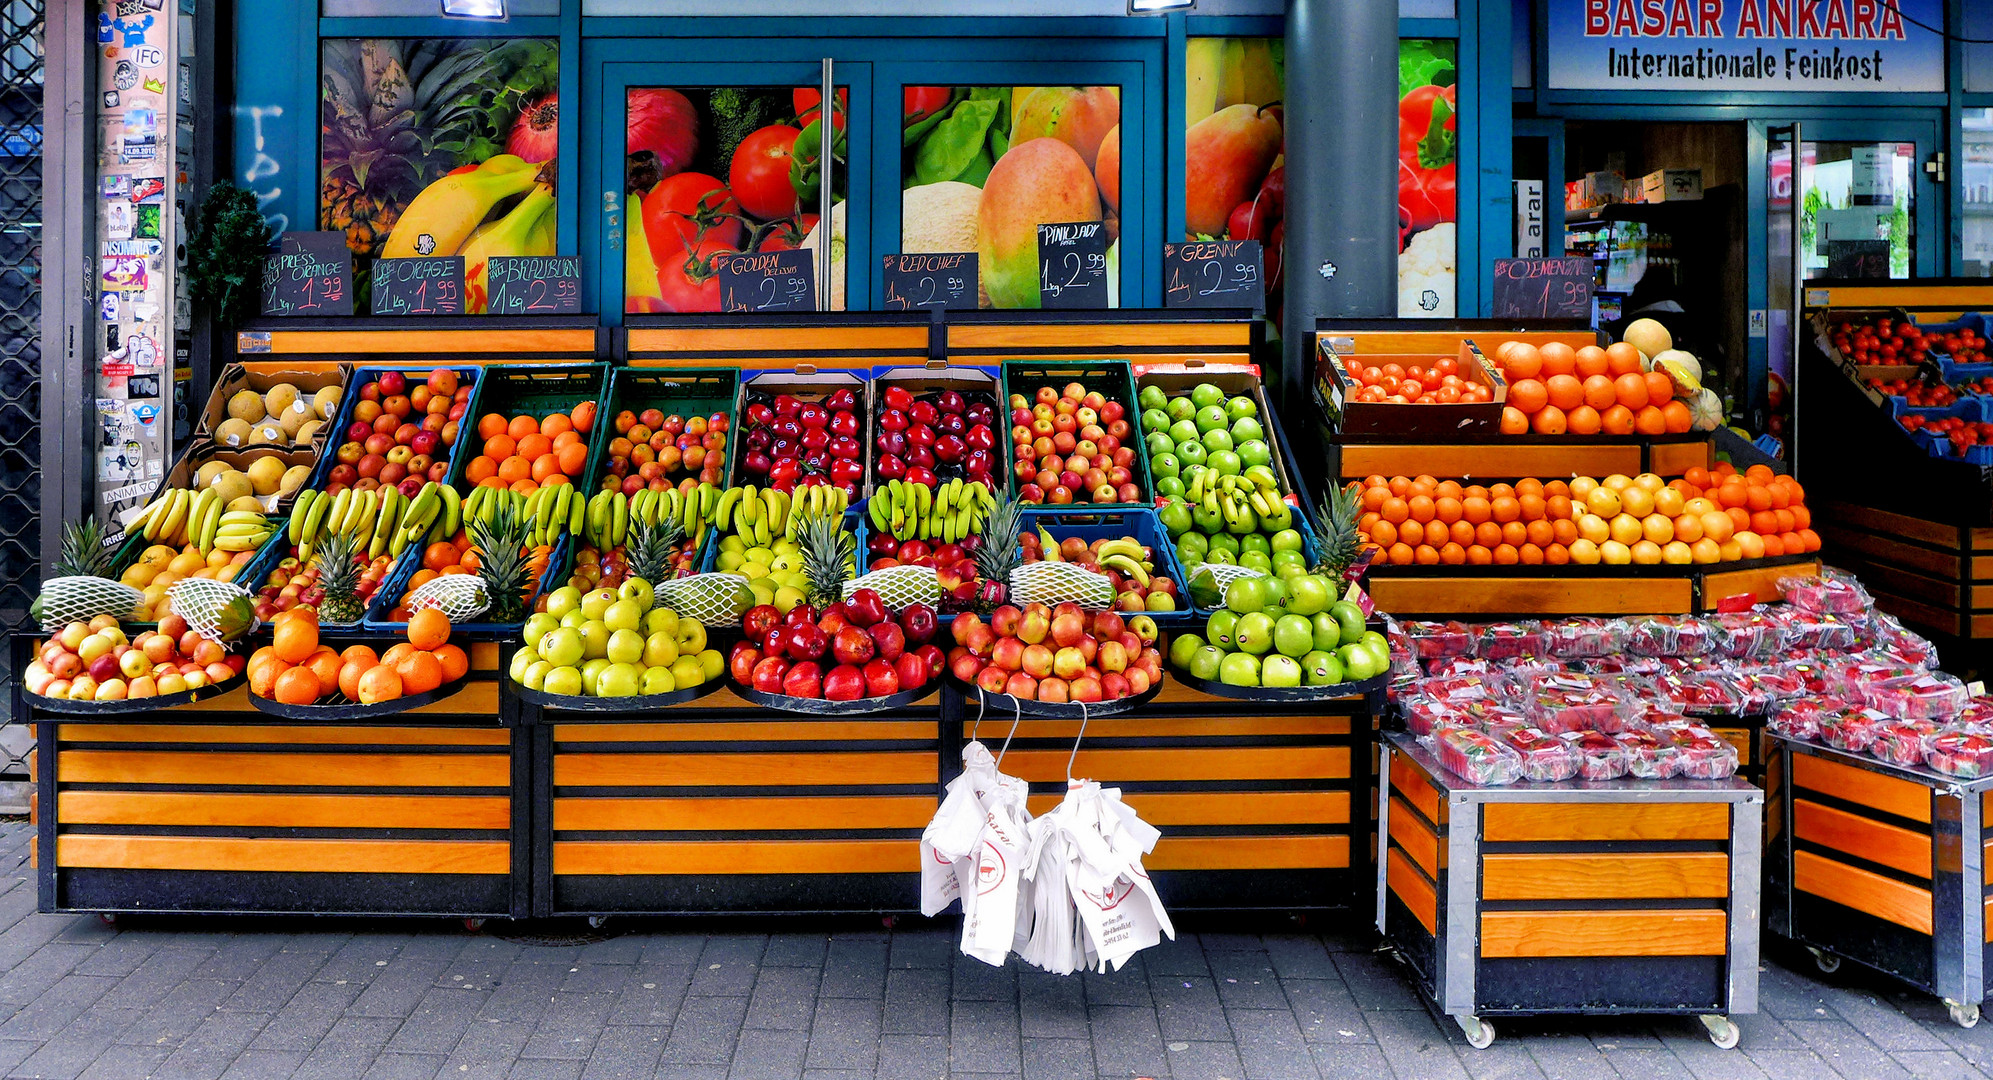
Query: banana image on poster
[[474, 213]]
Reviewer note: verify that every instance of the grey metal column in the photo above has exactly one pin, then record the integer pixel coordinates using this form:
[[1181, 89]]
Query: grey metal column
[[69, 330], [1341, 121]]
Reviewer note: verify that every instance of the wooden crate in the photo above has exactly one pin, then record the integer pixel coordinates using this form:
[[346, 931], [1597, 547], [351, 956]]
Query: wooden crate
[[1935, 576]]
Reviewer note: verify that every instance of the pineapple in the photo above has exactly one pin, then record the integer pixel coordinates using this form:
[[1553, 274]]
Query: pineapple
[[82, 553], [346, 207], [1335, 522], [828, 556], [999, 553], [503, 566], [339, 579], [652, 549]]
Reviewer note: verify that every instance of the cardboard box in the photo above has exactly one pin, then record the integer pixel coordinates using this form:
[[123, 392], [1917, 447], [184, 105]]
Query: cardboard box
[[810, 384], [1335, 388], [1671, 185], [260, 375], [202, 451]]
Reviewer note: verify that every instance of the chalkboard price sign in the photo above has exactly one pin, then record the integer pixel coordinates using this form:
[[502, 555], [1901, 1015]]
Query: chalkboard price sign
[[311, 274], [422, 286], [936, 280], [1858, 258], [1214, 274], [768, 281], [533, 284], [1072, 265], [1543, 288]]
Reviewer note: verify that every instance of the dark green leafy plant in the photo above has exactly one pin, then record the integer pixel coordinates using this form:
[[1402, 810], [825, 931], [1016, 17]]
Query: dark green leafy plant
[[225, 263]]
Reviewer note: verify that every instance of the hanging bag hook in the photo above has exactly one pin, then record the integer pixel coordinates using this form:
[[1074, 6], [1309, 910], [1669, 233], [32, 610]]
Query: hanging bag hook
[[982, 703], [1017, 717], [1074, 756]]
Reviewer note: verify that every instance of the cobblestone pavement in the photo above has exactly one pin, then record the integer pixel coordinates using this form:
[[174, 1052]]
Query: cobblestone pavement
[[346, 999]]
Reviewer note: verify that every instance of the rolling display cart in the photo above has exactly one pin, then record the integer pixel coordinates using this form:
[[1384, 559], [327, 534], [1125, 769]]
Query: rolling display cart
[[1625, 896], [1883, 865]]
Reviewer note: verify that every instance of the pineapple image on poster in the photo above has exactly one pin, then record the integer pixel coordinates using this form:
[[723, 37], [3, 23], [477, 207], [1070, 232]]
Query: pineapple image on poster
[[439, 147]]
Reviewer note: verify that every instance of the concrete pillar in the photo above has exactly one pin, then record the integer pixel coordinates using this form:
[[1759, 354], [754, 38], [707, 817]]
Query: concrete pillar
[[1341, 105]]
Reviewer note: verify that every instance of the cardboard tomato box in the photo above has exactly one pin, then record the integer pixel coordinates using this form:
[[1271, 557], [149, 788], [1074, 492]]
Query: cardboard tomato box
[[1335, 391]]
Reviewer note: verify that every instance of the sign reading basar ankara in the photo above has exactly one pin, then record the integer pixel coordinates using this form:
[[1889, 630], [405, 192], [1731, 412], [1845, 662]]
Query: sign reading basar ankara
[[1796, 46]]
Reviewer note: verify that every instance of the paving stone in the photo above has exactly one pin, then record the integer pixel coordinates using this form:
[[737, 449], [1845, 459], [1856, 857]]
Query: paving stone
[[916, 1002], [348, 1048], [1270, 1044], [569, 1028], [119, 956], [1416, 1046], [248, 1065], [154, 977], [672, 950], [1224, 941], [1934, 1065], [588, 977], [845, 1034], [1557, 1056], [1300, 956], [177, 1014], [706, 1030], [1326, 1010], [275, 982], [1129, 986], [490, 1047], [1126, 1041], [625, 949], [26, 980], [1845, 1048], [795, 950], [770, 1055], [1792, 1064], [924, 948], [648, 999], [1701, 1057], [1883, 1024], [238, 957], [836, 1074], [727, 965], [392, 1066], [913, 1057], [1187, 1009], [1184, 956], [125, 1062], [675, 1070], [1051, 1006], [207, 1053], [1245, 980], [1378, 983], [1509, 1059], [79, 1043], [1350, 1061], [15, 1051], [306, 1018], [1057, 1059], [977, 981], [1645, 1063], [1212, 1061], [983, 1037], [855, 969], [626, 1053], [545, 1069], [437, 1022]]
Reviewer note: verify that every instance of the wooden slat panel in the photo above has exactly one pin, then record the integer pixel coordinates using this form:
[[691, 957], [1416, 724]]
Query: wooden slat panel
[[1603, 933], [1174, 692], [1572, 595], [579, 342], [994, 730], [1980, 567], [1249, 853], [1884, 898], [1935, 533], [775, 812], [1760, 583], [1939, 563], [285, 811], [785, 361], [1739, 738], [619, 857], [1411, 887], [294, 856], [1641, 875], [1230, 763], [1417, 838], [1862, 787], [1979, 626], [1448, 341], [283, 770], [282, 735], [1674, 459], [478, 698], [803, 339], [751, 731], [1489, 460], [1210, 335], [1167, 808], [1973, 297], [1864, 838], [1407, 780], [1622, 821], [1979, 539], [484, 655], [1943, 592], [1923, 616], [747, 770]]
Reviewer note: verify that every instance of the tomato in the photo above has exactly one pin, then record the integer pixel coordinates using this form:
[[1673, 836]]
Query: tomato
[[788, 235], [809, 99], [680, 207], [759, 175], [923, 102], [689, 281]]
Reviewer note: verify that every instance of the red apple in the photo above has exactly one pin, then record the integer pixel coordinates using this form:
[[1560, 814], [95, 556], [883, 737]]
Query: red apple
[[844, 683], [805, 680], [880, 679], [912, 671], [890, 641]]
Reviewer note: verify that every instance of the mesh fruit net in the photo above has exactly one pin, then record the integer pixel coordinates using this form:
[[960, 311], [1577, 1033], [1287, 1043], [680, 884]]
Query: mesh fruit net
[[65, 600], [1058, 583], [712, 599], [217, 610], [460, 596], [899, 586]]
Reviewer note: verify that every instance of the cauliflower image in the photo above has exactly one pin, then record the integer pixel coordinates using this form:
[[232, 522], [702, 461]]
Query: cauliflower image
[[1425, 274]]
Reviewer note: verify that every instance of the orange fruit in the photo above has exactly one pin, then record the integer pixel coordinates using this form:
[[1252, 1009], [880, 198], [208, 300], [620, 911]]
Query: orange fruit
[[1515, 533], [324, 664], [1531, 554], [514, 469], [1480, 555], [420, 672], [1401, 486], [556, 424], [1488, 534], [1532, 505], [533, 447], [1563, 532], [1557, 555], [1499, 491], [522, 426], [1528, 395], [1513, 420], [500, 446], [1660, 388], [1395, 510], [1675, 417], [1384, 534], [1505, 508], [545, 468], [1400, 555], [573, 458], [1412, 533], [1697, 475], [1566, 392], [1557, 507], [1460, 532], [1421, 507], [1551, 420], [349, 678], [1446, 509], [1617, 420], [1762, 474], [1622, 359], [480, 469], [428, 629], [1453, 554], [297, 686], [1474, 509], [1524, 361], [1649, 421], [1506, 555], [490, 424], [1631, 391], [1592, 361], [438, 555], [392, 657], [1425, 555], [1558, 358], [379, 683], [1540, 533], [455, 664], [1599, 392], [294, 640], [359, 654], [1583, 420], [1772, 544], [263, 679]]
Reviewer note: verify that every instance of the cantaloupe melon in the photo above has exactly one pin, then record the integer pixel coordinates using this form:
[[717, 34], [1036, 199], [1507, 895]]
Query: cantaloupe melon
[[1649, 337]]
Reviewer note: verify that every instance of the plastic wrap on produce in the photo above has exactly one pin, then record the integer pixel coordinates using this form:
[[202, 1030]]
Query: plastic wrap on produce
[[1600, 757], [1853, 730], [1477, 756], [1579, 638], [1665, 635], [1904, 742], [1834, 594], [1766, 686], [1701, 754], [1648, 756], [1918, 697], [1747, 635], [1460, 689], [1967, 755], [1817, 630], [1509, 641], [1892, 635], [1439, 640], [1458, 666], [1566, 703], [1545, 758]]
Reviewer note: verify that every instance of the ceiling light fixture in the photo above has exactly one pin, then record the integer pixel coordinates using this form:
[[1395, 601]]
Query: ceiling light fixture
[[474, 9]]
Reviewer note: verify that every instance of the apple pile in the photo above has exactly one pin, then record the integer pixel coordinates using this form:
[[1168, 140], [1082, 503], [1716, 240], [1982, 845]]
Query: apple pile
[[652, 450], [292, 584], [787, 441], [871, 651], [954, 564], [400, 431], [1128, 565], [94, 662], [1071, 443], [935, 437], [1056, 654]]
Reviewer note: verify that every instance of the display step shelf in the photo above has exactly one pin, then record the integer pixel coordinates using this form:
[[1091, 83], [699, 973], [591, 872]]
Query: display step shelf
[[1546, 457], [1570, 590], [1935, 576]]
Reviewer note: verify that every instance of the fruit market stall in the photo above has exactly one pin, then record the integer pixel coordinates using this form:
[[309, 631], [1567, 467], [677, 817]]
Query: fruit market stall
[[1570, 896]]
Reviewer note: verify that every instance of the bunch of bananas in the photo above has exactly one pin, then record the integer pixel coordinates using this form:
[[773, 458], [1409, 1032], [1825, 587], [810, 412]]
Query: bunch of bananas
[[1124, 555], [549, 512], [1243, 503], [917, 512], [181, 517], [606, 524], [760, 515], [385, 520]]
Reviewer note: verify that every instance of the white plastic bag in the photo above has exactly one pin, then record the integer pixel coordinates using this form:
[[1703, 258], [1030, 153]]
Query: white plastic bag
[[1117, 902]]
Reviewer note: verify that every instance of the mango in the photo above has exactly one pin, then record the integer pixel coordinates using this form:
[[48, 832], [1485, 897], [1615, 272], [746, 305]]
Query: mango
[[1079, 116], [1107, 169], [1038, 182], [1226, 155]]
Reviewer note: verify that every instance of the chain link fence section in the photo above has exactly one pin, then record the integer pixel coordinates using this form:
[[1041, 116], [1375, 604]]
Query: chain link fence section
[[21, 68]]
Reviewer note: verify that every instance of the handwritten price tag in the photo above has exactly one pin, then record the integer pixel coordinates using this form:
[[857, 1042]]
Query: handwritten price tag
[[768, 281], [1543, 288], [1072, 265], [939, 280], [1214, 274], [423, 286], [533, 284], [311, 274]]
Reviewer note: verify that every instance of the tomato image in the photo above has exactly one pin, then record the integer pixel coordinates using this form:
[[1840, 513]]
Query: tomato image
[[690, 281], [789, 233], [759, 175], [680, 207], [809, 105]]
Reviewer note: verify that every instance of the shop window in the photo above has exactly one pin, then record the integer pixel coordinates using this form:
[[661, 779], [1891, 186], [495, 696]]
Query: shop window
[[981, 167], [711, 170], [1427, 155], [398, 117], [1234, 179], [339, 9], [1975, 174], [1856, 194], [1978, 58]]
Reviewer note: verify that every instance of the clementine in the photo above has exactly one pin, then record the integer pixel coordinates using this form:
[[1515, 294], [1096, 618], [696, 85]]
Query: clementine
[[420, 672], [297, 686], [294, 640], [455, 663], [379, 683], [428, 629]]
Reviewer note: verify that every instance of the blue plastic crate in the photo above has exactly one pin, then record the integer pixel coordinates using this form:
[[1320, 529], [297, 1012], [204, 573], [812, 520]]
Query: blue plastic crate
[[396, 584], [1310, 548], [466, 427], [1140, 524]]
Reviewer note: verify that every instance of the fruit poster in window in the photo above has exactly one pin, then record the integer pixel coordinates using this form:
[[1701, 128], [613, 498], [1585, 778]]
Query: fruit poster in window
[[435, 147], [1427, 151], [983, 166], [729, 170], [1234, 174]]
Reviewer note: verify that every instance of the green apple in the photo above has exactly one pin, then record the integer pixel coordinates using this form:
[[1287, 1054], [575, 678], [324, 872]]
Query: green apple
[[1170, 486], [618, 680], [1206, 394], [1208, 520], [563, 600], [657, 680], [1254, 633], [563, 647], [597, 602], [1241, 407], [660, 650], [1209, 418], [1279, 670], [1349, 619], [1245, 594], [1215, 440], [1180, 408], [1380, 656], [1175, 516], [1185, 431], [521, 660], [1222, 556], [711, 664], [1152, 397], [624, 647], [1205, 662], [1155, 420], [1158, 442], [1280, 517], [536, 675], [1225, 542], [1309, 594], [1255, 560], [1183, 648], [1161, 465], [1222, 629], [1255, 542], [538, 625], [1289, 563], [660, 620], [1253, 452], [1285, 540], [1239, 669], [1355, 661], [1274, 591], [1193, 543], [1246, 429], [1320, 668], [639, 590], [594, 639], [1225, 461], [1192, 452], [1376, 638], [1293, 635], [1328, 632], [574, 619], [564, 679]]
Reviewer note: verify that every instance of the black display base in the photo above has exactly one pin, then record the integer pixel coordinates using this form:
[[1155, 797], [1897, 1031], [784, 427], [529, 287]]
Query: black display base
[[579, 703], [1291, 695], [341, 709], [827, 707], [273, 893], [997, 705], [125, 706]]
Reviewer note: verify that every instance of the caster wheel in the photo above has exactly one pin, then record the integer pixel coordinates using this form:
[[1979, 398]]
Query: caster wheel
[[108, 919], [1964, 1016], [889, 921], [597, 922], [1722, 1032], [473, 925], [1480, 1034], [1827, 962]]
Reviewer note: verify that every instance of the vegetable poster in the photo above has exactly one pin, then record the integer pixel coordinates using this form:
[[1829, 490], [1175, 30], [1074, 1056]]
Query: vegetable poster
[[1427, 155]]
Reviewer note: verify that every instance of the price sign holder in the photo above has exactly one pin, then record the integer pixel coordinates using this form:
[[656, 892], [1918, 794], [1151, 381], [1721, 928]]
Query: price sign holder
[[1072, 265], [768, 281], [1214, 274], [533, 284], [1544, 288], [939, 280], [311, 274], [432, 285]]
